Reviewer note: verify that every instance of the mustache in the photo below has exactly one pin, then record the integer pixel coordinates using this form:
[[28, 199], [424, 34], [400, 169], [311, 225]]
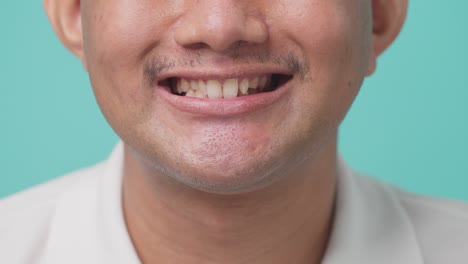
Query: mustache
[[158, 65]]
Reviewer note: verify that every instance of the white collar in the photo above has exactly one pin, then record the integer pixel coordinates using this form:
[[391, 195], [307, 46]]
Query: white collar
[[88, 225], [370, 225]]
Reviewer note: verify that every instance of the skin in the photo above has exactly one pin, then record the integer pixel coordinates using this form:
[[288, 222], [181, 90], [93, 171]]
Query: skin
[[257, 187]]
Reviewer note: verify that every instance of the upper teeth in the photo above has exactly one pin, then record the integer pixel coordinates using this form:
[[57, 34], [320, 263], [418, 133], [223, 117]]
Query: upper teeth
[[217, 89]]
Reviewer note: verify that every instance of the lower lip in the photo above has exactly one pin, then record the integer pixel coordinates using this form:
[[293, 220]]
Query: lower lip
[[223, 107]]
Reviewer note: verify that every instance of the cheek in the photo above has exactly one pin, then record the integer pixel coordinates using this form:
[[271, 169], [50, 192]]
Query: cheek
[[328, 37], [125, 30], [332, 39], [116, 39], [110, 46]]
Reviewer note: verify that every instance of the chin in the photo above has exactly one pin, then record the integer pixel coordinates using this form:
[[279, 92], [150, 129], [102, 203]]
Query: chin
[[226, 178]]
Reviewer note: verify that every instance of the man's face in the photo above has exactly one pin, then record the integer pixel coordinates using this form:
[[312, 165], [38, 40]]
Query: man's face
[[314, 54]]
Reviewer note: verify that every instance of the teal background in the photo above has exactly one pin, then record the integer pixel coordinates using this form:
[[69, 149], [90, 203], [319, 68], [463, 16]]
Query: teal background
[[409, 125]]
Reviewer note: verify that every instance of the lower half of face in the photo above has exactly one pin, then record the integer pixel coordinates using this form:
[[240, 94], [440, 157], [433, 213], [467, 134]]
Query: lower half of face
[[231, 149]]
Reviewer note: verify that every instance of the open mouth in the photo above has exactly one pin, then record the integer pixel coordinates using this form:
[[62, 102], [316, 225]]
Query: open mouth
[[225, 88]]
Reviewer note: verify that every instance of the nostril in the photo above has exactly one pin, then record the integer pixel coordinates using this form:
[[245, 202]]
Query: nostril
[[221, 26]]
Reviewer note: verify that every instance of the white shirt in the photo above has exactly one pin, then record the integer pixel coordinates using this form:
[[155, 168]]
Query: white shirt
[[78, 219]]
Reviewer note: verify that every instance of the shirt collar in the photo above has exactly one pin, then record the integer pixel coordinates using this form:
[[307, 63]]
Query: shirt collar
[[370, 225], [88, 225]]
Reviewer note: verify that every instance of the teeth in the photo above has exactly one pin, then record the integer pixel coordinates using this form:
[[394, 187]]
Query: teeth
[[253, 84], [268, 83], [200, 94], [202, 86], [179, 86], [190, 93], [182, 86], [262, 83], [244, 86], [230, 88], [194, 85], [216, 89]]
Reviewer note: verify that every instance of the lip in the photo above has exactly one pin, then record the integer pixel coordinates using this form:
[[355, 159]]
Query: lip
[[223, 73], [222, 107]]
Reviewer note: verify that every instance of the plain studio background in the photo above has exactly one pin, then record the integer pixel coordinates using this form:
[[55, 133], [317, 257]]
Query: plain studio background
[[408, 126]]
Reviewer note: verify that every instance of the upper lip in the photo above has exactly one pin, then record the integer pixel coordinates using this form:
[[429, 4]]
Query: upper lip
[[224, 73]]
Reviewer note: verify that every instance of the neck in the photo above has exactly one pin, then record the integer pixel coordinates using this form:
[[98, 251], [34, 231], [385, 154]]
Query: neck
[[288, 222]]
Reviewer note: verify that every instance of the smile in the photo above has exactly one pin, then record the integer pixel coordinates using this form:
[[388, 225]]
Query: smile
[[227, 88], [222, 95]]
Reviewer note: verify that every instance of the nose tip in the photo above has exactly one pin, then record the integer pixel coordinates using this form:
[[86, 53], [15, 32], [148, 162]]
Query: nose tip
[[219, 27]]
